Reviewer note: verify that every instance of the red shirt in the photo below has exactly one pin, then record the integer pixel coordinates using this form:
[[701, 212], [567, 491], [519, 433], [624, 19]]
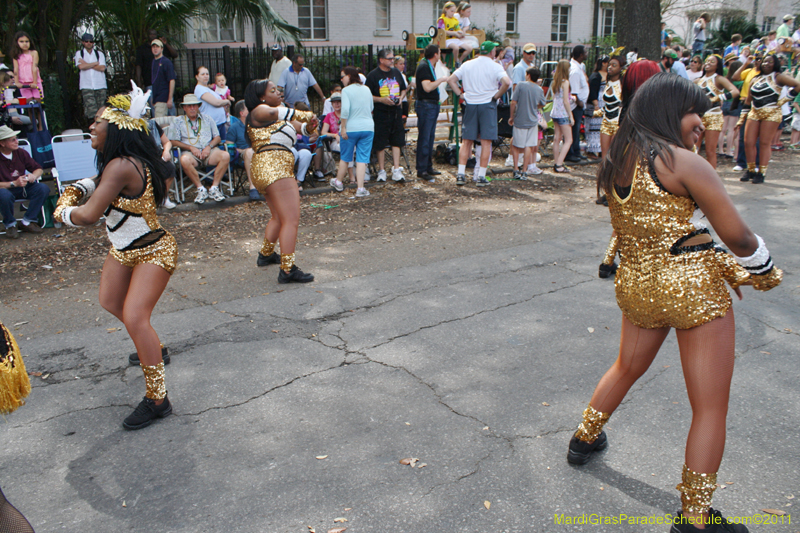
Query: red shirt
[[19, 165]]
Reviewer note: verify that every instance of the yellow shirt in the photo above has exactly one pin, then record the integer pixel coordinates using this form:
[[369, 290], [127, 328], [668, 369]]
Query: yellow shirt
[[747, 76]]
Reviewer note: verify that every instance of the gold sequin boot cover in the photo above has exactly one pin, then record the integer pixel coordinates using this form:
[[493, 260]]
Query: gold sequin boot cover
[[592, 425], [696, 491], [611, 251], [267, 248], [154, 380], [287, 262]]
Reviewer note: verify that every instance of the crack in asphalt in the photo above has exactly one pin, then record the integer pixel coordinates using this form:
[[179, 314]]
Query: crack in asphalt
[[770, 326], [96, 408]]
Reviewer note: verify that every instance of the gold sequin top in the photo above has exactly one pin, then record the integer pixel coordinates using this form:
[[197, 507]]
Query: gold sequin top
[[612, 101], [131, 221], [661, 283], [261, 138], [709, 86]]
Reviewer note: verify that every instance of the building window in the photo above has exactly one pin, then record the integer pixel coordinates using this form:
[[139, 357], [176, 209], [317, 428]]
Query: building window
[[215, 29], [382, 14], [312, 19], [511, 17], [559, 28], [767, 25], [609, 25]]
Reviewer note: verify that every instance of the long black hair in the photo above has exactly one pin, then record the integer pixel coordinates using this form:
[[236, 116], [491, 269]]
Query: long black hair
[[653, 122], [121, 142]]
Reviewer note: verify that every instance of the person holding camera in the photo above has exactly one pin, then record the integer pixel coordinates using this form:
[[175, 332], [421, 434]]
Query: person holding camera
[[388, 89]]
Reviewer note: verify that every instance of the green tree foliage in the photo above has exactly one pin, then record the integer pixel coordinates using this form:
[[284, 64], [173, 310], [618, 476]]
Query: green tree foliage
[[721, 37]]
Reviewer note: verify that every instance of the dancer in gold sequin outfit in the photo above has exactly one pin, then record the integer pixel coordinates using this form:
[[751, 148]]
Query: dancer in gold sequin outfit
[[765, 114], [672, 275], [272, 131], [143, 255], [718, 89]]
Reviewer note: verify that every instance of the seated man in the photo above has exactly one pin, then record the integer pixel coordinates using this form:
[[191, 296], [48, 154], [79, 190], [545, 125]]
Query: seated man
[[302, 151], [198, 138], [18, 175], [237, 134]]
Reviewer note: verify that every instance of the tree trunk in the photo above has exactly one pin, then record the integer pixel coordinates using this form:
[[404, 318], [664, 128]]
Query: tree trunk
[[11, 20], [65, 28], [41, 34], [639, 26]]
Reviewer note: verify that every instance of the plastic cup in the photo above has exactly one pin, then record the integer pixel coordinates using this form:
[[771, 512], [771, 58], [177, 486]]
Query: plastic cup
[[22, 101]]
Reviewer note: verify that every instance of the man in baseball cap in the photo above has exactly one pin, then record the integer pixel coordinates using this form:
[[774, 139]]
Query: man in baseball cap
[[279, 63], [18, 180], [480, 77], [527, 61], [785, 29]]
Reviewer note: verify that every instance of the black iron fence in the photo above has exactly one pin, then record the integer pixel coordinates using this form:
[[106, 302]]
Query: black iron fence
[[241, 65]]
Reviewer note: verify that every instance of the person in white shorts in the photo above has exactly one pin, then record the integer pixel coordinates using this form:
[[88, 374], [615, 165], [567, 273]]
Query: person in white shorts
[[526, 101]]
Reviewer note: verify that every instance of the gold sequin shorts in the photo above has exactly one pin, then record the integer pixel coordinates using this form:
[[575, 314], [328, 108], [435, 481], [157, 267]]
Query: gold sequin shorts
[[713, 121], [609, 128], [656, 290], [768, 114], [269, 166], [163, 252]]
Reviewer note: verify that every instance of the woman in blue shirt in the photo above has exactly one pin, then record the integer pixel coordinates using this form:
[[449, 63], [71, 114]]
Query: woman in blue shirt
[[211, 104], [356, 130]]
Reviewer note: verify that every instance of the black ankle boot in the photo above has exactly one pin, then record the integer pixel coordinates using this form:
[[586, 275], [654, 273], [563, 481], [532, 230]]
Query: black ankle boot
[[717, 524], [580, 452], [134, 357], [294, 275], [271, 259], [606, 271], [146, 412], [747, 176], [758, 177]]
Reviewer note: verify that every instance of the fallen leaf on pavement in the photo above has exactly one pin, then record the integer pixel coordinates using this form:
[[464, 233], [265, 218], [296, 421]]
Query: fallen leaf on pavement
[[546, 404], [311, 529], [774, 511], [487, 504], [37, 374], [337, 530], [422, 465], [339, 520], [111, 330], [320, 457], [409, 461], [591, 330]]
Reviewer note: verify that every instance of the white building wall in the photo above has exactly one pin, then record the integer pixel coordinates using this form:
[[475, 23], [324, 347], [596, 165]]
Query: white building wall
[[353, 22]]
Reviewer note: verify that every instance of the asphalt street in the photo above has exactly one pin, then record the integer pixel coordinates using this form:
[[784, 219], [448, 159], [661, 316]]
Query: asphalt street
[[293, 409]]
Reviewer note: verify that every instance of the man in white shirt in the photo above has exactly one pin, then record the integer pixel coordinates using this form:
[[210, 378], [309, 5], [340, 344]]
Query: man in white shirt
[[579, 86], [481, 78], [279, 63], [92, 66]]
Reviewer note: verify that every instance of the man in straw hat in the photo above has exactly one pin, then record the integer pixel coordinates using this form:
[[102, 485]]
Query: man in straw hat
[[18, 180], [480, 77], [198, 138], [785, 29]]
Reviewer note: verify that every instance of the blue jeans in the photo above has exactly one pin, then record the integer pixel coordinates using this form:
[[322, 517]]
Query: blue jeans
[[36, 193], [741, 159], [427, 115], [697, 47]]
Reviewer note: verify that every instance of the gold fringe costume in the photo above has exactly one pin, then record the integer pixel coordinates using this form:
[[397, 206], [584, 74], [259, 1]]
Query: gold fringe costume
[[272, 157], [696, 490], [659, 282], [14, 382], [765, 93], [712, 119], [592, 425]]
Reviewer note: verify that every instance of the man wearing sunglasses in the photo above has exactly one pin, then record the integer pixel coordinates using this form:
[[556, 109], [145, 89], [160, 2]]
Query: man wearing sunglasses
[[92, 66]]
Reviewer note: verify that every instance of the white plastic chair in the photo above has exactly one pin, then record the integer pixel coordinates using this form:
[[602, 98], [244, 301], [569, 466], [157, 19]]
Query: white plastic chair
[[74, 160]]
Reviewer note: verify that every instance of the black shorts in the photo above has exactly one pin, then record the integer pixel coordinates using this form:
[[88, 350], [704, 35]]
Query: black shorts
[[389, 130]]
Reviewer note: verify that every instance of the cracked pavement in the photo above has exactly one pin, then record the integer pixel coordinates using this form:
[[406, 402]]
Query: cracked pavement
[[479, 364]]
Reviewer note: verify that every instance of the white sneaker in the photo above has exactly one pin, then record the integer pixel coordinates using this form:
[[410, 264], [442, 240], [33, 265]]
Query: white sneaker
[[202, 194], [533, 169], [538, 157], [338, 186], [216, 194], [738, 168], [361, 193], [509, 161], [169, 204], [366, 176], [397, 175], [381, 175]]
